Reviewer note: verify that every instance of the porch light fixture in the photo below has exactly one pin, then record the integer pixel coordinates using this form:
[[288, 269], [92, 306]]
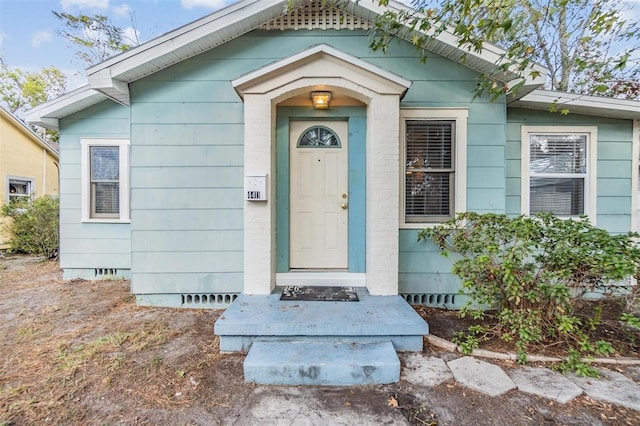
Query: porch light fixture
[[321, 100]]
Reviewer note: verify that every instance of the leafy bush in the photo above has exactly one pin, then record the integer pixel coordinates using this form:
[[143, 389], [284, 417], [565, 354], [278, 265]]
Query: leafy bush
[[34, 226], [529, 272]]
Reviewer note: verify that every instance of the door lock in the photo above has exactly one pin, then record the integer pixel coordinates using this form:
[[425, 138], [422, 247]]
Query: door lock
[[344, 206]]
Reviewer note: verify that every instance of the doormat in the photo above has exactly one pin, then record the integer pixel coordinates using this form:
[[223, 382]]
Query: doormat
[[319, 294]]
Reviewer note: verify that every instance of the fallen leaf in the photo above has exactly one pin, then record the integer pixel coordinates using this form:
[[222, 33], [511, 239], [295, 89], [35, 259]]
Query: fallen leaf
[[392, 402]]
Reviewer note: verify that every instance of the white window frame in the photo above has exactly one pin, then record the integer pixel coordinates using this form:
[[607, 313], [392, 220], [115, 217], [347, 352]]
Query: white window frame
[[457, 115], [123, 152], [590, 185], [30, 181]]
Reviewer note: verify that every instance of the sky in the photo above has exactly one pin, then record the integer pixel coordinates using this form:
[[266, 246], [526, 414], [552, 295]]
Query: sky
[[29, 41]]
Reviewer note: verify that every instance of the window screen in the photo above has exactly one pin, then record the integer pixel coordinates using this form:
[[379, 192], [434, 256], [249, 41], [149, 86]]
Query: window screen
[[429, 170], [105, 185]]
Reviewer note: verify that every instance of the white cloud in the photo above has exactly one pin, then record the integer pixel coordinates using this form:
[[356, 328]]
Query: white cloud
[[122, 10], [40, 37], [210, 4], [84, 4], [131, 35]]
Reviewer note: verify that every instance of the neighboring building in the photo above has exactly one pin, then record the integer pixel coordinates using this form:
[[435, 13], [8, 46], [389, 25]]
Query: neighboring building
[[28, 165], [196, 165]]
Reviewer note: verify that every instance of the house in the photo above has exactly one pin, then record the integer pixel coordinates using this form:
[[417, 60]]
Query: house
[[258, 148], [28, 165]]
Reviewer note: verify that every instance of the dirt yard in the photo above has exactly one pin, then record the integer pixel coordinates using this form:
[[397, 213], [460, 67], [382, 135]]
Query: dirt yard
[[79, 352]]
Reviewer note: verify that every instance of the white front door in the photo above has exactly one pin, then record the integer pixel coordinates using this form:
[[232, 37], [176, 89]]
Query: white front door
[[318, 195]]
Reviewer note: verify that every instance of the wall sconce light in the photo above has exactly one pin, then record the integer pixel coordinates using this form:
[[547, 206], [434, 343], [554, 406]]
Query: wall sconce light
[[321, 100]]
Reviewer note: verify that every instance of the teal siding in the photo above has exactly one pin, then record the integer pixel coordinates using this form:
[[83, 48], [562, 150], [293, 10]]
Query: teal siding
[[187, 158], [187, 179], [422, 269], [85, 247], [186, 124], [614, 162]]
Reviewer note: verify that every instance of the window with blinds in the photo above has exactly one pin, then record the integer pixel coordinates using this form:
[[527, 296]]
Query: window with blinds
[[429, 170], [557, 173], [105, 181]]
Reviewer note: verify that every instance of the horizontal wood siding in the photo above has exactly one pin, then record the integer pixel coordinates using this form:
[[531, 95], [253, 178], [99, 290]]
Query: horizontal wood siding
[[614, 162], [89, 245], [187, 177], [187, 160], [441, 83]]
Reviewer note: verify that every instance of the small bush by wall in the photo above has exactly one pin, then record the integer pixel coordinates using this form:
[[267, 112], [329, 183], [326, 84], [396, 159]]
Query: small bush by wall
[[530, 271], [34, 226]]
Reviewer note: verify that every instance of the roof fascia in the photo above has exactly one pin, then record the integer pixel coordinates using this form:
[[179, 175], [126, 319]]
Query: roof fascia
[[47, 115], [580, 104], [115, 89], [133, 64], [182, 35]]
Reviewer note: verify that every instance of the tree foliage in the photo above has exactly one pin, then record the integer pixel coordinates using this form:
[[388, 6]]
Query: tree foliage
[[588, 46], [95, 37], [20, 89]]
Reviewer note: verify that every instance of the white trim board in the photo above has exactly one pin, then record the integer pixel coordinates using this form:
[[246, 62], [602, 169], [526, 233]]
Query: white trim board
[[321, 278]]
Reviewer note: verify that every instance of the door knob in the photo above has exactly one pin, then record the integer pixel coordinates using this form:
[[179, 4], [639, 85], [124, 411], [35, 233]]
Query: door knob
[[344, 206]]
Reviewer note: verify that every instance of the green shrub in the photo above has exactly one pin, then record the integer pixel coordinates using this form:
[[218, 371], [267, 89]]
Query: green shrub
[[34, 226], [530, 271]]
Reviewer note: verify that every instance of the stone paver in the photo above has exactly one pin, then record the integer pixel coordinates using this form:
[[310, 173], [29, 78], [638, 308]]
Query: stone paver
[[481, 376], [634, 373], [425, 370], [611, 387], [545, 383]]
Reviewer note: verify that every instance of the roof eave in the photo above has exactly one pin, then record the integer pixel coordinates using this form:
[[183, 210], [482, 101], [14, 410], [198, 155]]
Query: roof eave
[[580, 104], [112, 76], [48, 114]]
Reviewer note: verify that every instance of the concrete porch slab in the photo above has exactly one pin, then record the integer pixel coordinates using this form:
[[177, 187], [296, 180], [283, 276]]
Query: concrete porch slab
[[372, 318]]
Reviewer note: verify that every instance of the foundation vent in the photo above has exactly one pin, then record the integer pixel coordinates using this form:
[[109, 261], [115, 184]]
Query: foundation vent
[[208, 299], [435, 300], [105, 272], [315, 15]]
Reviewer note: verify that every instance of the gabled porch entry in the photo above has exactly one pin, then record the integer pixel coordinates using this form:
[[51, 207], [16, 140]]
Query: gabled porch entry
[[306, 224], [284, 84]]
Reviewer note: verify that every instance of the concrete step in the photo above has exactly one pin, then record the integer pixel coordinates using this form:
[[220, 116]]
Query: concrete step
[[323, 363]]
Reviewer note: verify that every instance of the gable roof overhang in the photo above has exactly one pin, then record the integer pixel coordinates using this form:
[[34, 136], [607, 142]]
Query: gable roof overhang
[[48, 114], [580, 104], [29, 132], [111, 77], [335, 64]]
